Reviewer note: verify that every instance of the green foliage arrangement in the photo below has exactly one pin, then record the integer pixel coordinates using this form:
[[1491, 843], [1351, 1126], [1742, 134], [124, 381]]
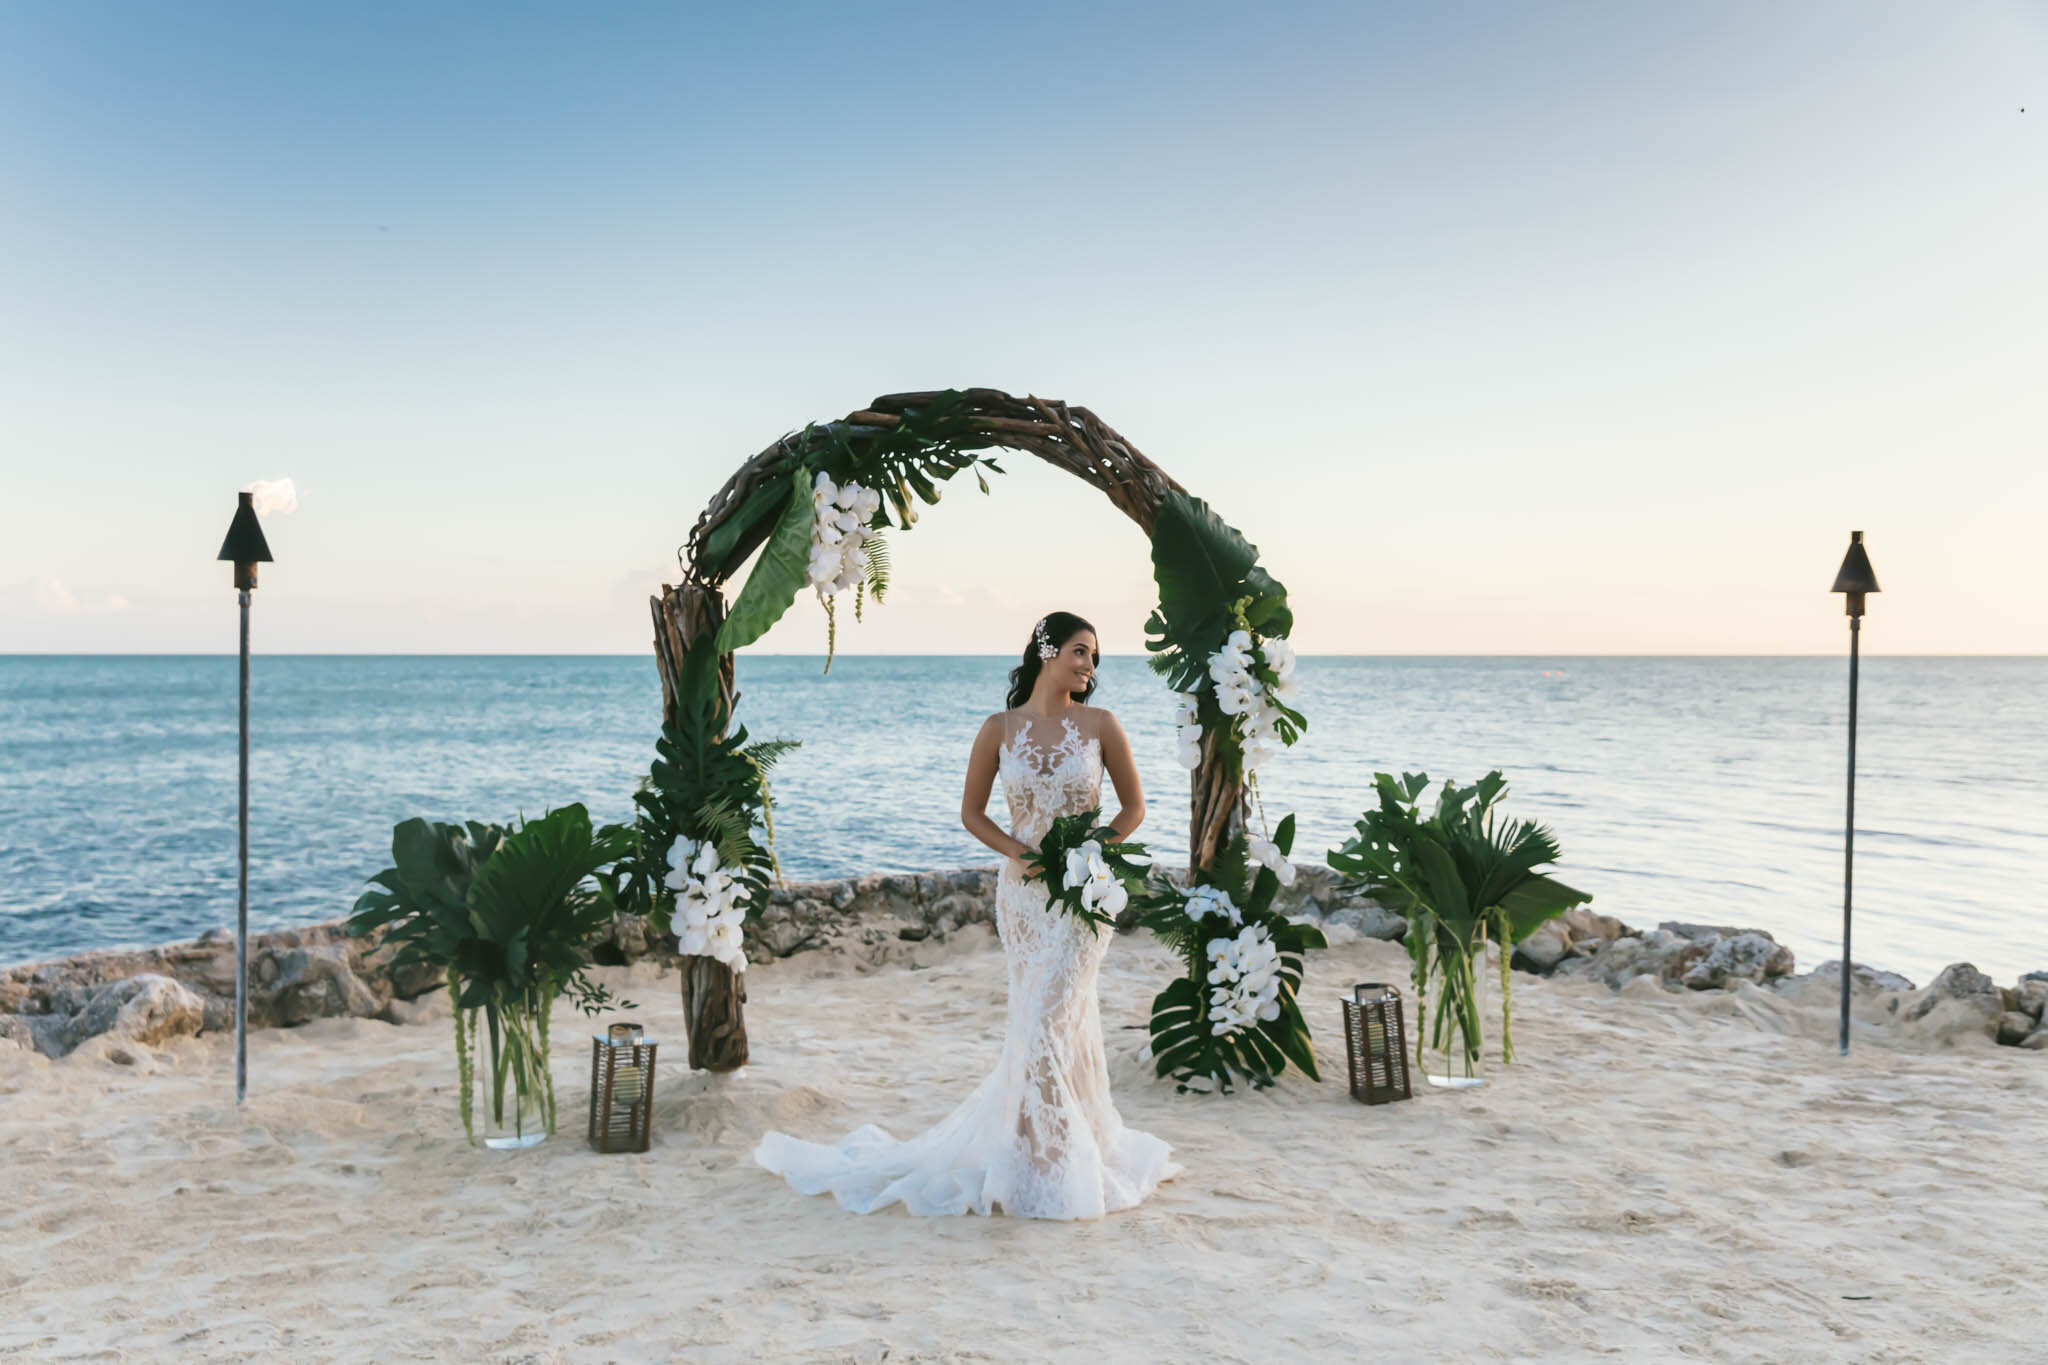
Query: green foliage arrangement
[[1194, 1038], [1460, 874], [707, 785], [508, 915]]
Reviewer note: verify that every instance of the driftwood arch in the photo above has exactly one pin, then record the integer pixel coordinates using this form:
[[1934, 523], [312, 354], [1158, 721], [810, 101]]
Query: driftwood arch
[[1066, 437]]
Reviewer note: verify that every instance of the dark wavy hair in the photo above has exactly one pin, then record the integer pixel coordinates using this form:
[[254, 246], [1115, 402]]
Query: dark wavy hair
[[1060, 627]]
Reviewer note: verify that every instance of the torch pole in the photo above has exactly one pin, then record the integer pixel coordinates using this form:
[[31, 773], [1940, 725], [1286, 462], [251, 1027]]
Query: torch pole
[[242, 882], [1849, 828]]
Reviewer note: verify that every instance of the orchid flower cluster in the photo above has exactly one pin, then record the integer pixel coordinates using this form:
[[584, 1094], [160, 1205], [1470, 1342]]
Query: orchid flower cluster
[[709, 916], [1267, 854], [1204, 901], [1255, 703], [839, 537], [1102, 893], [1244, 980]]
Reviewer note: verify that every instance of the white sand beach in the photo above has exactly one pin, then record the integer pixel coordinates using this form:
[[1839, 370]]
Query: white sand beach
[[1661, 1176]]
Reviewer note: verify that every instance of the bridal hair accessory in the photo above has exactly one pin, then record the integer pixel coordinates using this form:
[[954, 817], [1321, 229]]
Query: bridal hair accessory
[[1045, 649]]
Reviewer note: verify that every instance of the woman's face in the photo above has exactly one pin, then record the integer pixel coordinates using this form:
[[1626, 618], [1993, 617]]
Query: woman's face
[[1074, 665]]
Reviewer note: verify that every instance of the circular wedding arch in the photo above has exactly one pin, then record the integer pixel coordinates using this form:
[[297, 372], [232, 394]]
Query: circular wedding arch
[[741, 518]]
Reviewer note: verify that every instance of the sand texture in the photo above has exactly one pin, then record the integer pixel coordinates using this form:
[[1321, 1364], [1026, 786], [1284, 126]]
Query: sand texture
[[1660, 1176]]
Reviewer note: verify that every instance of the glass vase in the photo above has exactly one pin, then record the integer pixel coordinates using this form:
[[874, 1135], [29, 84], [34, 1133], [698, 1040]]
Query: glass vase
[[522, 1121], [1455, 1032], [518, 1102]]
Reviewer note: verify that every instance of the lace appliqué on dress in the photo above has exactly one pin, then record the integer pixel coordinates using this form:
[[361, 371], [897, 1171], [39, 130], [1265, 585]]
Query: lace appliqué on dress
[[1040, 1136]]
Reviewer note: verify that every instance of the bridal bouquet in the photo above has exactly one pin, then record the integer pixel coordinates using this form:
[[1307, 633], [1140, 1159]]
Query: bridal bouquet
[[1089, 871]]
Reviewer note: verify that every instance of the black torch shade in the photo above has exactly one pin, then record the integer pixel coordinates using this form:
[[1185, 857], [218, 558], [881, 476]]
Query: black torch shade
[[245, 544], [1855, 577]]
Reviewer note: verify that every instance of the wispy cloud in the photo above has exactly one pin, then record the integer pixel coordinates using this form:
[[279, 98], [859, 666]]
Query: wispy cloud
[[55, 597]]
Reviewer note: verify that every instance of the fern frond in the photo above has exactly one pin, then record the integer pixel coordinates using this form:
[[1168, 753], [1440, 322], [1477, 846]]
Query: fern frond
[[877, 577], [769, 752]]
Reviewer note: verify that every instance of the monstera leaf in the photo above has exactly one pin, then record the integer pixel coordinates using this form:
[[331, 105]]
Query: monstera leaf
[[779, 574], [1204, 568], [422, 898]]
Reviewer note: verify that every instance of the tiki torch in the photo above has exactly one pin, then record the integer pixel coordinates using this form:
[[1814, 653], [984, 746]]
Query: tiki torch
[[1855, 579], [246, 547]]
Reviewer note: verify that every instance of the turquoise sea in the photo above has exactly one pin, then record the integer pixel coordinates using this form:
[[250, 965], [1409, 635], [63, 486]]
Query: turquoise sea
[[1702, 789]]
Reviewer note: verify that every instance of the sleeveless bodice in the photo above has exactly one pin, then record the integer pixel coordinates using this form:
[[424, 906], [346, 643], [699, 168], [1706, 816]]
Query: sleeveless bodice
[[1040, 783]]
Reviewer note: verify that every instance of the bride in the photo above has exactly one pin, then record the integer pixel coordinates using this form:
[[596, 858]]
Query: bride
[[1039, 1137]]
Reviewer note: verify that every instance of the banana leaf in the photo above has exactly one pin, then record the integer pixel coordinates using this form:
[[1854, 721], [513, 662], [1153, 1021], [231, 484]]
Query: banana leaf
[[779, 574]]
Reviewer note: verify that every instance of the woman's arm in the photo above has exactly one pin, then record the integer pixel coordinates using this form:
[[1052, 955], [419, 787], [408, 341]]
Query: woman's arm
[[1123, 775], [981, 780]]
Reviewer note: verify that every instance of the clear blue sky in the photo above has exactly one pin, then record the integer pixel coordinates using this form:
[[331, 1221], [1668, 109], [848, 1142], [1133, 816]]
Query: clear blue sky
[[1575, 328]]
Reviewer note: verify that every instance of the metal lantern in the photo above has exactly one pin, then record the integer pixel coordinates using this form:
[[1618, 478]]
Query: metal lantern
[[621, 1089], [245, 547], [1374, 1044]]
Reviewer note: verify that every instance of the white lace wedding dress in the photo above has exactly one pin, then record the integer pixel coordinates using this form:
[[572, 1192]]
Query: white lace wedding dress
[[1040, 1137]]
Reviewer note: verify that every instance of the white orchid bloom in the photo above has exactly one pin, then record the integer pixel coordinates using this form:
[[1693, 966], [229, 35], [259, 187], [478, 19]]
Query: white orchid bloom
[[1190, 751], [846, 495], [1203, 901], [1187, 708], [706, 861], [1268, 854], [824, 493], [1114, 898]]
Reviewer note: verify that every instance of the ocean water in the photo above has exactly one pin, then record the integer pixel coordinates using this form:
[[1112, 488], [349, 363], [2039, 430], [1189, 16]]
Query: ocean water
[[1706, 789]]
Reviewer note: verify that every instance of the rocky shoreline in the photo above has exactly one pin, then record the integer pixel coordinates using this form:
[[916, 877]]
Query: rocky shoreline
[[103, 1001]]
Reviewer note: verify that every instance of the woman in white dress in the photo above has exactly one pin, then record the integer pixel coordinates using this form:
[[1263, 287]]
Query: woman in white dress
[[1039, 1137]]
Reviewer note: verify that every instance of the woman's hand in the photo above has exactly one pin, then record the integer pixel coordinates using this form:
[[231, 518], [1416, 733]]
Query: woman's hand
[[1026, 871]]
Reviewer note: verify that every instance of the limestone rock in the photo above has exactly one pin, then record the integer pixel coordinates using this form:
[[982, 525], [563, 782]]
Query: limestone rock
[[146, 1009], [1749, 956], [1591, 929], [1543, 949], [15, 1034], [2033, 995], [1703, 933], [1863, 979], [2014, 1027], [302, 984], [423, 1009], [950, 912], [1957, 981], [1959, 1002], [2037, 1041], [1370, 920]]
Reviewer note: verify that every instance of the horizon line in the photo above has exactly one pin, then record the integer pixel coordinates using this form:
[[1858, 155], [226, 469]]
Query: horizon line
[[780, 654]]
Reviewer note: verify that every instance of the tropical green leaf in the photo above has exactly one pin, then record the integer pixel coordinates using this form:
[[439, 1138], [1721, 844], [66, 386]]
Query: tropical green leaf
[[779, 574], [1535, 900], [765, 501]]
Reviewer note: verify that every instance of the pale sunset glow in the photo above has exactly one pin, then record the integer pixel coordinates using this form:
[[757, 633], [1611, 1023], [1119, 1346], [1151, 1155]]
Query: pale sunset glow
[[1498, 329]]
